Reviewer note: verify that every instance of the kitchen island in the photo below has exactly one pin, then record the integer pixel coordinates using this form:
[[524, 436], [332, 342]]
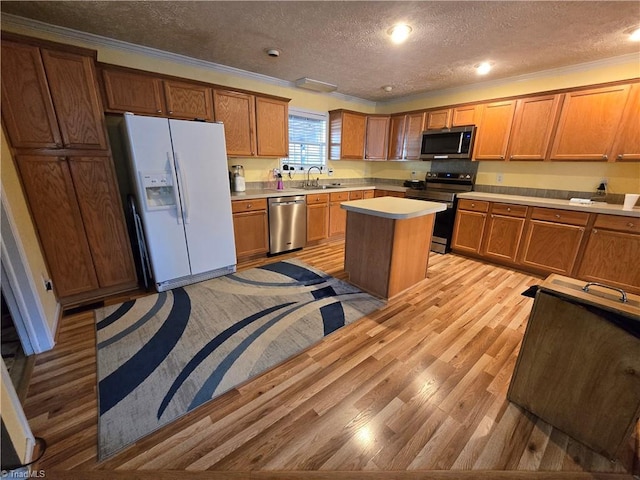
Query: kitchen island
[[387, 243]]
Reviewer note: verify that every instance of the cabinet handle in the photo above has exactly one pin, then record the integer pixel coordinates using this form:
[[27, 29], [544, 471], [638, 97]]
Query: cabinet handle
[[170, 112], [473, 204], [557, 215], [630, 225], [620, 156], [158, 111], [501, 157], [508, 209], [605, 157], [249, 205], [511, 157], [594, 231]]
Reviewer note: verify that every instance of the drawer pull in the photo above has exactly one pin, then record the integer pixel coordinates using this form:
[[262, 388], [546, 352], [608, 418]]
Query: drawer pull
[[508, 209], [249, 205], [557, 215], [605, 157], [623, 294], [630, 225], [473, 204]]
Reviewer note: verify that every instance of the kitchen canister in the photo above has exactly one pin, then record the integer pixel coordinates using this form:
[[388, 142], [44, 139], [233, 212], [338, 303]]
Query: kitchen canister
[[238, 178]]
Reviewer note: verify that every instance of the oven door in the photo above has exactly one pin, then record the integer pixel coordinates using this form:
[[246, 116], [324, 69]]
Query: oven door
[[443, 228]]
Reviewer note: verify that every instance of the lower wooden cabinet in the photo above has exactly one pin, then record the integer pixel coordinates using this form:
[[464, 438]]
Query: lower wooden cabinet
[[504, 231], [317, 217], [612, 253], [552, 240], [250, 227], [469, 226], [388, 193], [337, 215]]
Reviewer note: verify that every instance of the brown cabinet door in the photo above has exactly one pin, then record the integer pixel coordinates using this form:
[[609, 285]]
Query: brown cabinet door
[[396, 137], [438, 119], [589, 120], [551, 247], [353, 135], [337, 220], [102, 214], [132, 92], [377, 134], [317, 221], [236, 111], [493, 131], [73, 86], [612, 258], [468, 230], [503, 237], [368, 194], [627, 143], [272, 127], [188, 100], [52, 200], [532, 127], [27, 109], [413, 135], [251, 232], [463, 116]]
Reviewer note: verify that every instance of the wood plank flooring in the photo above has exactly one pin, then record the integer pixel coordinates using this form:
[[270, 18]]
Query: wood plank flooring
[[415, 390]]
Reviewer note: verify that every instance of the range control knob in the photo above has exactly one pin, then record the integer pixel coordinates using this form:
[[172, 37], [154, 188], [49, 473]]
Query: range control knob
[[468, 176]]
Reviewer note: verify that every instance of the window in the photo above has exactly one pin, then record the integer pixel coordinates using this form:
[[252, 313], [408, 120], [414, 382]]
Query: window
[[307, 139]]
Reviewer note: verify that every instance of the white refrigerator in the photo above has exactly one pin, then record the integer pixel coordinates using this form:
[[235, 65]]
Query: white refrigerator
[[179, 169]]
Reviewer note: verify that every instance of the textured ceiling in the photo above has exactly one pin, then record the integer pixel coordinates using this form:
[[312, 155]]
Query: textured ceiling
[[345, 43]]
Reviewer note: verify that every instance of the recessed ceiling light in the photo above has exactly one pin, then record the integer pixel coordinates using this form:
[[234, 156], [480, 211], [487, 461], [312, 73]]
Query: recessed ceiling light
[[634, 36], [399, 33], [483, 68]]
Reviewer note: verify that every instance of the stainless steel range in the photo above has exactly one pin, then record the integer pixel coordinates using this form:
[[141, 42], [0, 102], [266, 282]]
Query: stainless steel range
[[442, 187]]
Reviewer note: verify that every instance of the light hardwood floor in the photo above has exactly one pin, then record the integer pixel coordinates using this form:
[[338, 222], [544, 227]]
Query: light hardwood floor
[[415, 390]]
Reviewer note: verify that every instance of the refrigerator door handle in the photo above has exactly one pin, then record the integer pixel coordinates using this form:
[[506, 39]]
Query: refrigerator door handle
[[183, 188], [175, 192]]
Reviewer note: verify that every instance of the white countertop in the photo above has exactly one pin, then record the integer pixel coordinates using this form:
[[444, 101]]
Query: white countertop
[[393, 207], [272, 192], [595, 207]]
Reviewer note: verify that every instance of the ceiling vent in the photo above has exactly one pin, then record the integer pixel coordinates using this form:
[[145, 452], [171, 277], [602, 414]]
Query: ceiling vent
[[315, 85]]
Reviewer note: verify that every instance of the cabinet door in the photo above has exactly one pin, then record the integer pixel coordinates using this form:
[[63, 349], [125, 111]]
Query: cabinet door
[[396, 137], [463, 116], [413, 135], [368, 194], [27, 109], [132, 92], [612, 258], [73, 86], [503, 237], [589, 120], [102, 214], [251, 231], [377, 133], [337, 220], [468, 230], [188, 101], [494, 129], [532, 127], [627, 143], [236, 111], [272, 127], [353, 135], [437, 119], [317, 221], [551, 247], [51, 197]]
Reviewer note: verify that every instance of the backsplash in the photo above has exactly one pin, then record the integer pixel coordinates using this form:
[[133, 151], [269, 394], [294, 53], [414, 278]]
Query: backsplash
[[549, 193], [347, 182]]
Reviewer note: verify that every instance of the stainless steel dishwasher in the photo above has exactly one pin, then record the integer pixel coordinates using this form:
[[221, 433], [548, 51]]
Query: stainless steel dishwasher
[[287, 223]]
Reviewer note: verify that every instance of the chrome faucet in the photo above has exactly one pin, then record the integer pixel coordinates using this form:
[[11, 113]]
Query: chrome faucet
[[309, 184]]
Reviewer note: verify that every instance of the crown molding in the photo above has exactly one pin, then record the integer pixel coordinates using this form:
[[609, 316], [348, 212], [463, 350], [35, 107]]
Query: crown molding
[[577, 68], [100, 41]]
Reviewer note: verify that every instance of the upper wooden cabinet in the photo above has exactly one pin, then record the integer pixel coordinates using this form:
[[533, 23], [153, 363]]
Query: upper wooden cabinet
[[494, 127], [532, 127], [145, 94], [626, 146], [50, 99], [452, 117], [438, 119], [346, 135], [589, 121], [272, 127], [405, 136], [376, 137], [253, 125]]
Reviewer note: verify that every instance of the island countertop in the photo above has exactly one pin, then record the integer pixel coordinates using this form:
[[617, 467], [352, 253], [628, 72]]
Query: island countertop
[[393, 207]]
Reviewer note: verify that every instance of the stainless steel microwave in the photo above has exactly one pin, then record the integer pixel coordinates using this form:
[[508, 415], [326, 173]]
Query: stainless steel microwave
[[448, 143]]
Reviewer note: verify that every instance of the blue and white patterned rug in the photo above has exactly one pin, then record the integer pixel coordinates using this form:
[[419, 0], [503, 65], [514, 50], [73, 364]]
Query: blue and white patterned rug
[[163, 355]]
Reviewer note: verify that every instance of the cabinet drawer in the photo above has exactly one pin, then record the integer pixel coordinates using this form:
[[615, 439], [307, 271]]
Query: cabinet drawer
[[474, 205], [560, 216], [339, 196], [317, 198], [618, 222], [510, 210], [356, 195], [248, 205]]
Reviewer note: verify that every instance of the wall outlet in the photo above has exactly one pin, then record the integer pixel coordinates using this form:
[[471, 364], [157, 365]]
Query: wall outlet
[[48, 286], [330, 172], [499, 177]]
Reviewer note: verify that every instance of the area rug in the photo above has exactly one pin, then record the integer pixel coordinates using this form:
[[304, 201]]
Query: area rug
[[163, 355]]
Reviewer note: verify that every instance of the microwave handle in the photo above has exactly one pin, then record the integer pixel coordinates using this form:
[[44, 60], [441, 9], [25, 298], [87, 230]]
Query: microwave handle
[[460, 143]]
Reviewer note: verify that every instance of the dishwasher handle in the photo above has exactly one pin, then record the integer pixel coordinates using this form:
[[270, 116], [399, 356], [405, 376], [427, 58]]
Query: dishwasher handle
[[293, 202]]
